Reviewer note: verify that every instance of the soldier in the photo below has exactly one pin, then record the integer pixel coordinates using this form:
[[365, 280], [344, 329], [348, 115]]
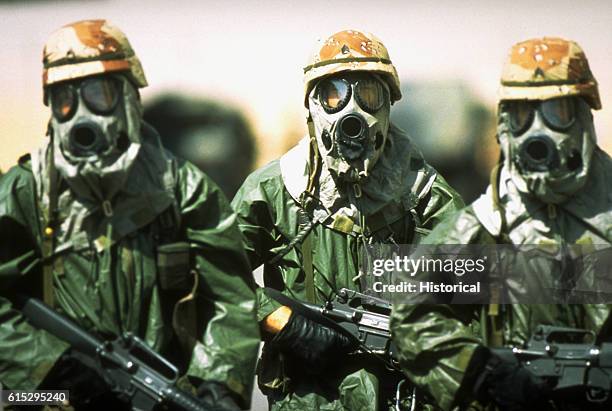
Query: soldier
[[132, 239], [552, 186], [356, 179]]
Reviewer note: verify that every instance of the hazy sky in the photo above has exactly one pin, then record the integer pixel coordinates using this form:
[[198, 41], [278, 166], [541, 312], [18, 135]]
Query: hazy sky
[[252, 52]]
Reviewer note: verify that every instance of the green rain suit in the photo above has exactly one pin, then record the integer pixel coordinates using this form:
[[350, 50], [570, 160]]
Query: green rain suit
[[407, 198], [436, 342], [106, 278]]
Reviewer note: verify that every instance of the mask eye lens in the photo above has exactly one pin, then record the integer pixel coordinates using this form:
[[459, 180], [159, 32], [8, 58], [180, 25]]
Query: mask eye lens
[[520, 115], [100, 94], [63, 102], [370, 95], [558, 113], [334, 94]]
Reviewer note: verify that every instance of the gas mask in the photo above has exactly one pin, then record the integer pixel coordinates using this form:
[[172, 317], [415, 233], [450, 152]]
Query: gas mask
[[96, 133], [350, 112], [547, 145]]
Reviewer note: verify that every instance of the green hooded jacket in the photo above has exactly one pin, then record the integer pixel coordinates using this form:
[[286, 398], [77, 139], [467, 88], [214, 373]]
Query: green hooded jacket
[[436, 342], [271, 215], [105, 276]]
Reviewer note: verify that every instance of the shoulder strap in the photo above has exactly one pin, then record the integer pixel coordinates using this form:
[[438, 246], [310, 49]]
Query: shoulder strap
[[303, 240], [306, 249], [169, 221], [306, 226], [50, 220]]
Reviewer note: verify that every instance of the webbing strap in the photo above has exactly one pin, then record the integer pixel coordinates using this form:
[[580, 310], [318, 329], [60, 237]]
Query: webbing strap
[[314, 167], [48, 297], [502, 238], [347, 60], [49, 231], [496, 336], [306, 248]]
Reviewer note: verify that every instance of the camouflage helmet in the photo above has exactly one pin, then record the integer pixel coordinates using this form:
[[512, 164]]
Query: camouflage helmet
[[540, 69], [350, 50], [87, 48]]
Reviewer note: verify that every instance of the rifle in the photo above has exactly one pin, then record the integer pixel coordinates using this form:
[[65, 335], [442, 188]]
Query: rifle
[[567, 359], [129, 366], [362, 318]]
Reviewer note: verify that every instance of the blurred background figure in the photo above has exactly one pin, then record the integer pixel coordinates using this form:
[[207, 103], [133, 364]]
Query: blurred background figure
[[452, 128], [214, 136]]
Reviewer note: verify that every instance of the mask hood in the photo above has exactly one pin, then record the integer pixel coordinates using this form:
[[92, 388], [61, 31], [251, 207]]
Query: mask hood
[[547, 164], [351, 140], [94, 153], [401, 177]]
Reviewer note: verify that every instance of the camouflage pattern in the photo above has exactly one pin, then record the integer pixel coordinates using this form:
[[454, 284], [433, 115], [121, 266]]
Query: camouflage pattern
[[540, 69], [350, 50], [87, 48]]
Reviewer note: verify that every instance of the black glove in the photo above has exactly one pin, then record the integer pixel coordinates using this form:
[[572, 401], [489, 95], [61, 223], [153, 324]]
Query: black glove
[[76, 372], [510, 386], [218, 395], [312, 343]]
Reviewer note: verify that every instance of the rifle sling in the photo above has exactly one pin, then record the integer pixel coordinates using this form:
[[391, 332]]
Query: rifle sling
[[306, 248], [48, 242], [496, 335]]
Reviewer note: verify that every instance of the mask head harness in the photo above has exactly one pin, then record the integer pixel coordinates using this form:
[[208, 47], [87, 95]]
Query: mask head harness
[[87, 105], [538, 151], [352, 130], [350, 114]]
